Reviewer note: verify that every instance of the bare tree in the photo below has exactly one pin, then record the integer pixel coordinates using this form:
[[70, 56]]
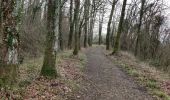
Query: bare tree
[[139, 26], [76, 23], [101, 19], [109, 25], [120, 27], [71, 25], [86, 14]]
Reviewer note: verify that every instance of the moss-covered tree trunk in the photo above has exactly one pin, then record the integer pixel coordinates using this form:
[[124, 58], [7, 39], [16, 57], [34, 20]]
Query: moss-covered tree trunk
[[10, 32], [49, 68], [109, 25], [120, 28], [10, 45], [76, 25]]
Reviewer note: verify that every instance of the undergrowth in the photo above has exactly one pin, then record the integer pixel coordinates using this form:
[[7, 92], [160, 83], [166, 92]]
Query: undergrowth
[[143, 74], [29, 73]]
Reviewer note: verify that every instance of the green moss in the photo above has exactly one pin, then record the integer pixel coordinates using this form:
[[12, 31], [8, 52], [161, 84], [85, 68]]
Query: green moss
[[133, 72], [152, 84], [141, 79], [161, 95], [155, 63], [1, 83], [24, 83], [49, 72]]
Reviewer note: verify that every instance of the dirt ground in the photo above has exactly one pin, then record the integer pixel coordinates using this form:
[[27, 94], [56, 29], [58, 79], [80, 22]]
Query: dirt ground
[[105, 81]]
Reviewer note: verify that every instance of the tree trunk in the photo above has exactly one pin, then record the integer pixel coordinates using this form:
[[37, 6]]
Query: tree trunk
[[71, 26], [108, 26], [90, 38], [80, 32], [139, 27], [86, 14], [79, 38], [112, 35], [101, 18], [76, 24], [10, 33], [49, 68], [10, 46], [60, 27], [1, 30], [117, 41]]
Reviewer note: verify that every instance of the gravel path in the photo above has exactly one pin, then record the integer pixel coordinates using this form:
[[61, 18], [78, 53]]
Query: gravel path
[[104, 81]]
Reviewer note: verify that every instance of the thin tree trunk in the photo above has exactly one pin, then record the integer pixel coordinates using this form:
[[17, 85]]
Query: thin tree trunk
[[100, 31], [112, 35], [76, 24], [79, 38], [92, 21], [80, 32], [139, 27], [1, 30], [71, 26], [101, 26], [90, 39], [108, 26], [120, 28], [60, 27], [86, 12]]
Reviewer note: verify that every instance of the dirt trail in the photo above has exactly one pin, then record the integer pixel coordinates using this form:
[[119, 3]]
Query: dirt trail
[[104, 81]]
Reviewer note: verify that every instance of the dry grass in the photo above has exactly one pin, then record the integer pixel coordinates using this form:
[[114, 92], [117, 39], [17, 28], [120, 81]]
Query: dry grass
[[155, 80], [32, 86]]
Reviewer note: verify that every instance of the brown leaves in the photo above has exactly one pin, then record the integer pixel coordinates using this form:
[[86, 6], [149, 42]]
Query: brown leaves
[[45, 89], [41, 88], [69, 69], [166, 87]]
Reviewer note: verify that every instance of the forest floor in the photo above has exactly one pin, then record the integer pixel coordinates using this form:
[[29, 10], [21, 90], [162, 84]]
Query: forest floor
[[93, 75], [106, 78], [31, 86]]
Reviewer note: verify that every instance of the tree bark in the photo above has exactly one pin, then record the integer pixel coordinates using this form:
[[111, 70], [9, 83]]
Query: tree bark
[[117, 41], [71, 26], [10, 33], [139, 27], [108, 26], [10, 45], [49, 68], [101, 18], [60, 27], [86, 14], [76, 24]]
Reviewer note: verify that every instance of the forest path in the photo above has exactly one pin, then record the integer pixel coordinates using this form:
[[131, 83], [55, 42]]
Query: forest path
[[105, 81]]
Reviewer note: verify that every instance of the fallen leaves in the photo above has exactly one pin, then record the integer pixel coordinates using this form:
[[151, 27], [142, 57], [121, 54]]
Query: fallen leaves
[[166, 87], [41, 88], [44, 89]]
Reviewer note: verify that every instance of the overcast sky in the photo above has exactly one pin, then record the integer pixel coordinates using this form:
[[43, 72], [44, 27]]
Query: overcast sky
[[166, 14]]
